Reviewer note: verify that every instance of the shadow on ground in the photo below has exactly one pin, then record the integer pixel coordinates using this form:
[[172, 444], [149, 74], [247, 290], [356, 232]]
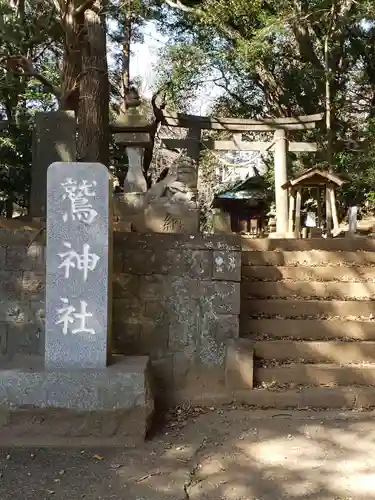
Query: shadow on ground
[[228, 454]]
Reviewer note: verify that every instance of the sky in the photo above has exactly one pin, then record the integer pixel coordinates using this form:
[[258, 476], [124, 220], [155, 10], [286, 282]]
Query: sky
[[143, 64]]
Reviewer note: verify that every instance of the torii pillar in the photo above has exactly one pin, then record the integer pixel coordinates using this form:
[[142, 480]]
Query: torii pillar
[[281, 195]]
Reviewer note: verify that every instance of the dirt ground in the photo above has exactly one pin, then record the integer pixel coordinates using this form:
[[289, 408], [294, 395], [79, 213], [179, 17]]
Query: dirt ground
[[228, 454]]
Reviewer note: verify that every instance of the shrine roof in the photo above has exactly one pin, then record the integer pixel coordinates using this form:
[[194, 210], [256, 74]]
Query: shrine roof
[[315, 177], [254, 188]]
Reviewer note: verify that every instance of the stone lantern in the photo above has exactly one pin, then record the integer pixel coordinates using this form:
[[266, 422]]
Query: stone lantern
[[132, 131]]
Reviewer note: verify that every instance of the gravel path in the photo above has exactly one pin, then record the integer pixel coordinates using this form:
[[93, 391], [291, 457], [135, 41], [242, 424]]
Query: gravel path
[[234, 454]]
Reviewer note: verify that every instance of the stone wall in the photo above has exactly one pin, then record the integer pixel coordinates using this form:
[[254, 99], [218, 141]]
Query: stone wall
[[176, 298]]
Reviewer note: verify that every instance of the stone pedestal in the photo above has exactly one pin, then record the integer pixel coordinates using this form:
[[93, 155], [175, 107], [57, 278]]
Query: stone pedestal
[[135, 180], [79, 253]]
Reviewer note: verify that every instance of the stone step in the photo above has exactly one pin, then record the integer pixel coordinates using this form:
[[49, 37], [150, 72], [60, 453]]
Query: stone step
[[308, 329], [308, 308], [308, 273], [308, 258], [309, 397], [284, 289], [316, 375], [301, 245], [315, 352]]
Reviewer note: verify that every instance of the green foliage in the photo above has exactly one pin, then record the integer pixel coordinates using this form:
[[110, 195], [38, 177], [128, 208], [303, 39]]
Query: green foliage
[[35, 34], [268, 58]]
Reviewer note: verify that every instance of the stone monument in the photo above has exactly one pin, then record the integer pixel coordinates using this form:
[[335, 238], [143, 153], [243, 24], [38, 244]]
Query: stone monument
[[78, 284], [53, 141]]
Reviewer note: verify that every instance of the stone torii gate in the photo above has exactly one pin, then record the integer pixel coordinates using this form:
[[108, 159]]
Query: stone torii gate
[[236, 126]]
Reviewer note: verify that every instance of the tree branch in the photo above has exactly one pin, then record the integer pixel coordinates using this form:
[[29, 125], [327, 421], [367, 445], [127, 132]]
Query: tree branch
[[177, 4], [21, 66], [81, 9]]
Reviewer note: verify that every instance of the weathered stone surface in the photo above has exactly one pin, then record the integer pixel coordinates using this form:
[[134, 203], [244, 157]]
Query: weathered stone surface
[[189, 263], [127, 337], [33, 285], [162, 376], [226, 265], [125, 285], [10, 285], [79, 256], [25, 338], [177, 241], [124, 384], [184, 325], [155, 286], [182, 364], [21, 258], [221, 297], [239, 365], [216, 330], [15, 311], [3, 338], [54, 140]]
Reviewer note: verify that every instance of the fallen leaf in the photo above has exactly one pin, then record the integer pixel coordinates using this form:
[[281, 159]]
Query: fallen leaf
[[98, 457]]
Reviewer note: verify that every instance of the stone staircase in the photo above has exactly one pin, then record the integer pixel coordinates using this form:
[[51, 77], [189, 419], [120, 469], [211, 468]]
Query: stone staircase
[[308, 308]]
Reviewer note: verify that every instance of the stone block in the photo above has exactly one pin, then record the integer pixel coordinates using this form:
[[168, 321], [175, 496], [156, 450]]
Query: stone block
[[226, 265], [10, 285], [143, 261], [221, 222], [2, 254], [163, 379], [127, 337], [155, 335], [156, 286], [188, 263], [54, 140], [3, 338], [134, 241], [25, 338], [215, 332], [239, 365], [15, 312], [25, 258], [33, 285], [184, 314], [37, 313], [125, 286], [79, 258], [123, 386], [118, 260], [159, 220], [221, 297], [182, 364]]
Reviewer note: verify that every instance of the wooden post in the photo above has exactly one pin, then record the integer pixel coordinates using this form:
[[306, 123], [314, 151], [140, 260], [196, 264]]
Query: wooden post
[[297, 229], [292, 202], [319, 207], [193, 148], [333, 209], [328, 213], [281, 195]]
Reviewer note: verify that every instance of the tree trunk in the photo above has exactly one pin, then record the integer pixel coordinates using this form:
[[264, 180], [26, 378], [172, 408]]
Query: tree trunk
[[125, 77], [71, 72], [93, 107]]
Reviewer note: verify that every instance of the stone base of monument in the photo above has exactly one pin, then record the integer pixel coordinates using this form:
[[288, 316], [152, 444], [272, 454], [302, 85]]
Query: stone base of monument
[[114, 402]]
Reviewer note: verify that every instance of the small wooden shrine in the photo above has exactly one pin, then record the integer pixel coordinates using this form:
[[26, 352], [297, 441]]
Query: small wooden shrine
[[245, 202], [324, 184]]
